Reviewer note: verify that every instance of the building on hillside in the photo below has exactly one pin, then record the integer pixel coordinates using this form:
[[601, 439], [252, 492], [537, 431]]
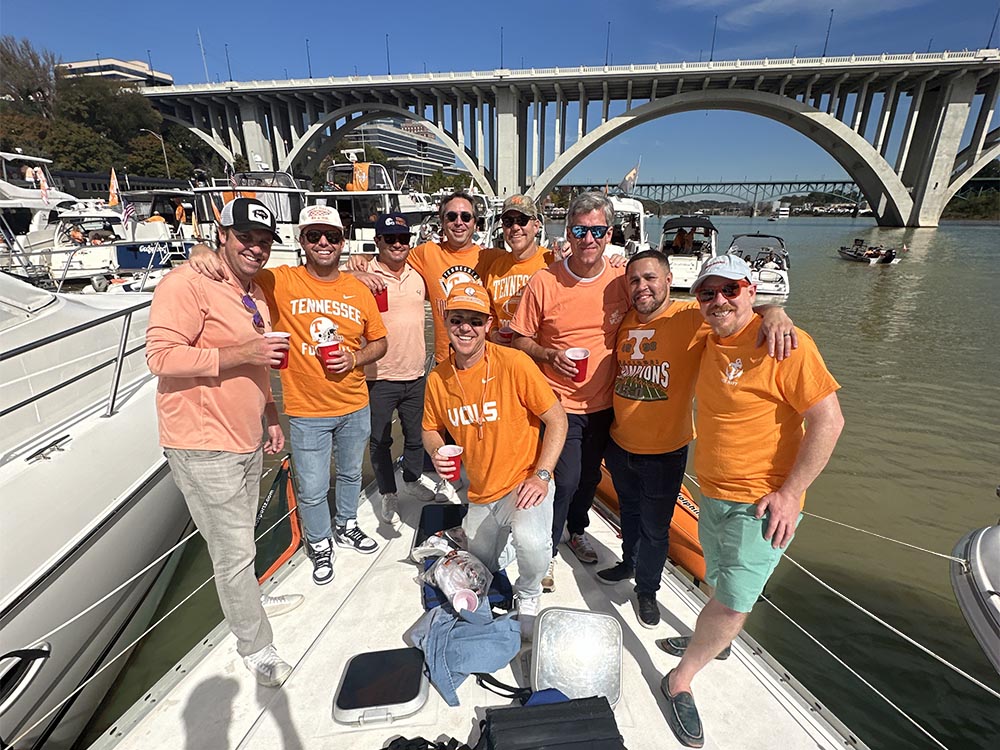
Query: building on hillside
[[411, 148], [127, 71]]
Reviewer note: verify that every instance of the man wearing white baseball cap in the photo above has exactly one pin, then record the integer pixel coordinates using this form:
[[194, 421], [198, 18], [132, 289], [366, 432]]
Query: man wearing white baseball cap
[[326, 400], [766, 430]]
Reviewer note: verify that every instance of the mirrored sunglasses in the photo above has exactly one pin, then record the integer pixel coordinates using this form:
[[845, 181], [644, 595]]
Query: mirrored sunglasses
[[251, 306], [729, 291], [580, 231]]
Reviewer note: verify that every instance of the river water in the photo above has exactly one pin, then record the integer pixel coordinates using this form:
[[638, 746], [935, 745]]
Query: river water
[[915, 347]]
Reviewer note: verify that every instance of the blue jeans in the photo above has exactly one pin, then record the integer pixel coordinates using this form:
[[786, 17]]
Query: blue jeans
[[647, 487], [313, 440], [578, 472]]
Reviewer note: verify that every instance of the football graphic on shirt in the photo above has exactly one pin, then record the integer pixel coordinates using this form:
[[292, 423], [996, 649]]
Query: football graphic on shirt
[[323, 330]]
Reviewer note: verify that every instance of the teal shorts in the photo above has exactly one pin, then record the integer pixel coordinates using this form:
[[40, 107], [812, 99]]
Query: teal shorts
[[738, 559]]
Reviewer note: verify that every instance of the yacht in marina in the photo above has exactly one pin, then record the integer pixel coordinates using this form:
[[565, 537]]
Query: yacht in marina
[[767, 257], [88, 507], [688, 241]]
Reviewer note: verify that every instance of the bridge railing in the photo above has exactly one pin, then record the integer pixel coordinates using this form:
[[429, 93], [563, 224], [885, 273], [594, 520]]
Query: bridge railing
[[985, 55]]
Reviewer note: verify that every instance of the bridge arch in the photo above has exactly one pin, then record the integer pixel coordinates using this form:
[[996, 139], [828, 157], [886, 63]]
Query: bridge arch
[[885, 192], [219, 148], [366, 112], [958, 181]]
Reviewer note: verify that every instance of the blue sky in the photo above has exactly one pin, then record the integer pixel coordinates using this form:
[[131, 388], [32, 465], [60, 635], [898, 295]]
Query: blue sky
[[266, 39]]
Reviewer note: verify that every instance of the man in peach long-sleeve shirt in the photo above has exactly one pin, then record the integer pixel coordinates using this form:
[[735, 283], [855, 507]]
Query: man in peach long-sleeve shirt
[[205, 343]]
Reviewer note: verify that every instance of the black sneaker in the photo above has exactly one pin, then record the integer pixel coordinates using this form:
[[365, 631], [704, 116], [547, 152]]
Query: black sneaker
[[321, 553], [352, 537], [620, 572], [649, 613]]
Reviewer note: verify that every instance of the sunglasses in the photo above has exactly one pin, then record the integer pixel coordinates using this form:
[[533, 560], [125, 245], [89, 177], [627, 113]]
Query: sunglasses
[[520, 219], [580, 231], [729, 291], [455, 215], [392, 239], [251, 306], [474, 322], [333, 236]]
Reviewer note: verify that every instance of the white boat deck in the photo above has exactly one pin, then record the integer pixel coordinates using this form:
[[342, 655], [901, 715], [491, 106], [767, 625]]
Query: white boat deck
[[211, 701]]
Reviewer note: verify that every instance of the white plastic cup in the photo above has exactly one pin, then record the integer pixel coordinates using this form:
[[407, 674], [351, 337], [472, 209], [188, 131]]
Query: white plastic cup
[[453, 452], [465, 599], [286, 337], [580, 356]]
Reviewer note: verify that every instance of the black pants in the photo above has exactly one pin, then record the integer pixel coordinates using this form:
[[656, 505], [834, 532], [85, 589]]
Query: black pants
[[647, 487], [407, 398], [578, 472]]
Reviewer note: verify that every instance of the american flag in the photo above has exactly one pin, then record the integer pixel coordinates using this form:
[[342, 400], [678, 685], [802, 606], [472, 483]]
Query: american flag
[[128, 210], [232, 177]]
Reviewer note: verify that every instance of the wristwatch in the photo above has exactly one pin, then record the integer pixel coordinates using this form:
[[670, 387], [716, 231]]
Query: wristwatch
[[544, 474]]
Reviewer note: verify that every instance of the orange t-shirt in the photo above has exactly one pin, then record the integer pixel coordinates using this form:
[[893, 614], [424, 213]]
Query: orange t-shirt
[[311, 310], [750, 410], [441, 270], [510, 394], [560, 310], [504, 280], [657, 369]]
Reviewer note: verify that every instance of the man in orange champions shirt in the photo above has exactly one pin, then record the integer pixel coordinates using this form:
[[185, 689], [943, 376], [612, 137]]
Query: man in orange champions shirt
[[754, 461], [204, 342], [578, 302], [327, 403], [493, 401]]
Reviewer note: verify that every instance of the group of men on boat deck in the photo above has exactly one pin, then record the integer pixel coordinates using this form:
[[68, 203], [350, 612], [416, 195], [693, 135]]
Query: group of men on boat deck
[[533, 426]]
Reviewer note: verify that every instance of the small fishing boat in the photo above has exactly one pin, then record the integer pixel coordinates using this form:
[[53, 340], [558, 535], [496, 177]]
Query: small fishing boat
[[976, 581], [873, 255]]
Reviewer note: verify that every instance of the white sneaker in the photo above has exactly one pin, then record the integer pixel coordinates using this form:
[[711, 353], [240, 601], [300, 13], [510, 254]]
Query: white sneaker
[[269, 668], [527, 609], [445, 492], [549, 579], [321, 553], [281, 604], [389, 505]]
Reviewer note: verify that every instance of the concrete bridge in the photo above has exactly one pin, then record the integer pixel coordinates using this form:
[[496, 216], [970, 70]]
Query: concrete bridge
[[909, 129]]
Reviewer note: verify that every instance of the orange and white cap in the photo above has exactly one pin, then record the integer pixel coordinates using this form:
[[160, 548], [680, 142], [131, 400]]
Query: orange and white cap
[[468, 296]]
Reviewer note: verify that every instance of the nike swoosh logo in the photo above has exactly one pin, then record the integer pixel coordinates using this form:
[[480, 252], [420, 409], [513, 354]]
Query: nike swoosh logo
[[348, 296], [487, 380]]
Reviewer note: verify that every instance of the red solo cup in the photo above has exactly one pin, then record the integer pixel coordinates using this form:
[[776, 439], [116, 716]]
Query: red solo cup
[[286, 337], [326, 351], [580, 356], [505, 335], [453, 452], [382, 299]]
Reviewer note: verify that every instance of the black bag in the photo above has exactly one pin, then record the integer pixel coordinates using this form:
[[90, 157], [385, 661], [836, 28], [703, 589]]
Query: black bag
[[580, 724]]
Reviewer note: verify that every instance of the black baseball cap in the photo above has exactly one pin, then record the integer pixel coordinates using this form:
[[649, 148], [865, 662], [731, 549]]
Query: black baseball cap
[[244, 214], [392, 223]]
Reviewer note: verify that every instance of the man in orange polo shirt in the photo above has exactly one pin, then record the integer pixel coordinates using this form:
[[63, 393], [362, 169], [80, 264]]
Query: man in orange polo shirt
[[766, 430], [205, 343], [577, 303], [493, 401]]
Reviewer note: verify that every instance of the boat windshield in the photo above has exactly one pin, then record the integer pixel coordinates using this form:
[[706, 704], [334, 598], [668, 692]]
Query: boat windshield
[[358, 176], [265, 179]]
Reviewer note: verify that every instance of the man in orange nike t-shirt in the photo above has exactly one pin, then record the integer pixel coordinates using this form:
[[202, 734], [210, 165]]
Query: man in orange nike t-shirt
[[493, 401]]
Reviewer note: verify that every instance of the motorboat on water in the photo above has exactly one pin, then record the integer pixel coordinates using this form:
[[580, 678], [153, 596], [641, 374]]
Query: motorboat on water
[[873, 255], [628, 232], [360, 191], [768, 259], [688, 249], [92, 239], [279, 191], [371, 603], [88, 503], [976, 582], [417, 207]]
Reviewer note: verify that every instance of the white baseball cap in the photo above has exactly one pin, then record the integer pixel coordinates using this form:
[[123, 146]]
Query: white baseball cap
[[319, 216]]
